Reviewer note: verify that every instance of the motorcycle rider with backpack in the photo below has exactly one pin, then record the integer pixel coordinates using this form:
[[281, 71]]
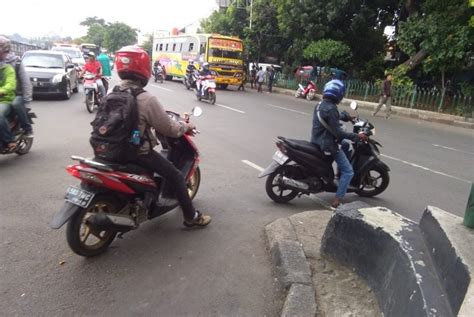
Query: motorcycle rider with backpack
[[134, 69], [328, 134]]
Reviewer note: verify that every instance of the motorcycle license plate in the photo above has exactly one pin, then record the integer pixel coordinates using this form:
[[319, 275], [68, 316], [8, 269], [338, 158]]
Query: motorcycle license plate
[[280, 158], [89, 86], [78, 196]]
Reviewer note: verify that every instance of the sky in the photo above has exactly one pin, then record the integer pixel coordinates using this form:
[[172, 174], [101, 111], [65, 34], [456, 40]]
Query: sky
[[62, 17]]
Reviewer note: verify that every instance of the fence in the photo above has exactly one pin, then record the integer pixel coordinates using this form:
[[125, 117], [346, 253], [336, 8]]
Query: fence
[[436, 100]]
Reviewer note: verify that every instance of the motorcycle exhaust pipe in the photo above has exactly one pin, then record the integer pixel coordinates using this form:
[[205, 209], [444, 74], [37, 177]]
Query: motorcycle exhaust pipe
[[111, 222], [294, 184]]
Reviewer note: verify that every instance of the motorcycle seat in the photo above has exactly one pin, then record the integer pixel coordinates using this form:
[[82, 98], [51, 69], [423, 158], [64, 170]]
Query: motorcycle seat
[[307, 147], [126, 168]]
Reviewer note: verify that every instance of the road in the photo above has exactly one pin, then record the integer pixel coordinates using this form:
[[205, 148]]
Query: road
[[163, 269]]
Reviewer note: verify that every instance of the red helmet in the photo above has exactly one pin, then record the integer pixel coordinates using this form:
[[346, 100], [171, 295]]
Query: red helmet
[[133, 63]]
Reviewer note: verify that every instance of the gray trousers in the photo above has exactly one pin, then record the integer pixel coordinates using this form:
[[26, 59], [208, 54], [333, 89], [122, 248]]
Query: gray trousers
[[388, 104]]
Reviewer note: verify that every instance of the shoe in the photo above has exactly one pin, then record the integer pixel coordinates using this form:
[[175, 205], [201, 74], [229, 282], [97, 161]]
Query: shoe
[[200, 221]]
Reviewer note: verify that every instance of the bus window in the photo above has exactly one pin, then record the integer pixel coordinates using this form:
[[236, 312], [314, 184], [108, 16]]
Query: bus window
[[181, 47], [156, 47], [166, 49], [202, 49], [191, 46], [161, 46], [174, 47]]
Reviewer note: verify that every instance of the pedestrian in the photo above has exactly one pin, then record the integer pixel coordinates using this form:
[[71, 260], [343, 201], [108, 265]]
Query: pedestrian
[[385, 97], [253, 77], [271, 78], [244, 80], [260, 78]]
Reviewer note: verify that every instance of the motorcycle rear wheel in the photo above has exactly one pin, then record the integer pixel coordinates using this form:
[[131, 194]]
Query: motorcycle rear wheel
[[78, 232], [273, 183], [24, 146], [212, 98], [89, 103], [374, 182], [193, 183]]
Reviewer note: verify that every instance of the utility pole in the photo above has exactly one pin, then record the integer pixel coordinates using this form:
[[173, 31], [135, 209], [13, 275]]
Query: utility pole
[[251, 10]]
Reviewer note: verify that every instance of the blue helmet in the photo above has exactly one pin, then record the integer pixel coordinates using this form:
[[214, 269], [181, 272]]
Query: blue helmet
[[334, 90]]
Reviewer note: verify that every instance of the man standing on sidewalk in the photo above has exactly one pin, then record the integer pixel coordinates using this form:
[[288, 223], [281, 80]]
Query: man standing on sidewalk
[[386, 97]]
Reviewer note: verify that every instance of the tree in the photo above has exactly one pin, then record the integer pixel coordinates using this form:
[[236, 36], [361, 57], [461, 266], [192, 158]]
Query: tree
[[328, 52], [119, 34], [96, 34], [92, 20], [148, 44]]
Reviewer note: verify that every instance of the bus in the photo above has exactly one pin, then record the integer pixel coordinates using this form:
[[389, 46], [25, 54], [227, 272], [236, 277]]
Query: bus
[[223, 53], [88, 47]]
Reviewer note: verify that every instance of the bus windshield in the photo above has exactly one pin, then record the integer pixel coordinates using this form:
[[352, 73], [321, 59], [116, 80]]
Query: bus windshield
[[218, 52]]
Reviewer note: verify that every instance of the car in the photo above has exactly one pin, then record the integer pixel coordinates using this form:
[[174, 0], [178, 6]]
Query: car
[[74, 53], [51, 73]]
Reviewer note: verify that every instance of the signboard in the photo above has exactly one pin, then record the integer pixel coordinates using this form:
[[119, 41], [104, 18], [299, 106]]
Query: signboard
[[225, 44]]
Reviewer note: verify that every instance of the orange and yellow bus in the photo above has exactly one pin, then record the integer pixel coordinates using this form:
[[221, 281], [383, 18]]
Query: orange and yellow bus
[[223, 53]]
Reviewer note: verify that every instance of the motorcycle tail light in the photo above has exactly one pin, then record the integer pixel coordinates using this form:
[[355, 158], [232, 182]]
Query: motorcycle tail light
[[281, 147], [72, 170]]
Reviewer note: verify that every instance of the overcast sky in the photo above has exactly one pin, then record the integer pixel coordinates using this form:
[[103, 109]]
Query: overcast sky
[[32, 18]]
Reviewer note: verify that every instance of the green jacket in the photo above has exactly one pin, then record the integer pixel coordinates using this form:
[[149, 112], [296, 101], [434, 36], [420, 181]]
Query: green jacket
[[7, 83], [105, 62]]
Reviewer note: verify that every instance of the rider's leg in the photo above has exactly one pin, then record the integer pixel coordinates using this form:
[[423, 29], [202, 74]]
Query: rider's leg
[[100, 86], [346, 176], [18, 105], [6, 135]]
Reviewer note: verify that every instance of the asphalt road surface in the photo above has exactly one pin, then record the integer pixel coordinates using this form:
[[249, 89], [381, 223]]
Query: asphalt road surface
[[163, 269]]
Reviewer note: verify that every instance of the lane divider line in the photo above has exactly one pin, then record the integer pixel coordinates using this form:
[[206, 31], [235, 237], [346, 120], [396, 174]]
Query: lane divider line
[[287, 109], [159, 87], [258, 168], [426, 168], [230, 108], [452, 149]]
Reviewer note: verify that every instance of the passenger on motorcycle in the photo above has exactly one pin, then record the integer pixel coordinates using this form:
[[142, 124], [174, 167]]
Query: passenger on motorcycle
[[7, 94], [190, 68], [133, 67], [93, 66], [156, 67], [327, 139], [205, 71]]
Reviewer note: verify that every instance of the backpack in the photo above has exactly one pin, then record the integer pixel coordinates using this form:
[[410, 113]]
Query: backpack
[[114, 124]]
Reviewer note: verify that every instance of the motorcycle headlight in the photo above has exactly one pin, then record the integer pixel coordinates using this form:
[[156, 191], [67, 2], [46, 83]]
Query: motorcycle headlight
[[57, 78]]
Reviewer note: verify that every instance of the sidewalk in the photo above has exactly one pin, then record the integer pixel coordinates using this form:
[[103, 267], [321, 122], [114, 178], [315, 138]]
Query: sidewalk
[[316, 285], [400, 111]]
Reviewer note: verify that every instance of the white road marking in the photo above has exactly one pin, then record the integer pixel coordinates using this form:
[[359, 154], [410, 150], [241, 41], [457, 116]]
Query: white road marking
[[258, 168], [287, 109], [159, 87], [452, 149], [312, 197], [427, 169], [230, 108]]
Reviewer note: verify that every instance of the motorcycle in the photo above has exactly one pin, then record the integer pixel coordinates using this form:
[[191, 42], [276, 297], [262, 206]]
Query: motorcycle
[[91, 91], [300, 167], [190, 80], [23, 143], [208, 89], [158, 74], [308, 92], [116, 198]]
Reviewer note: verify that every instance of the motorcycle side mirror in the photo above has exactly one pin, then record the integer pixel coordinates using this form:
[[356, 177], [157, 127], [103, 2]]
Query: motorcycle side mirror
[[197, 111], [353, 105]]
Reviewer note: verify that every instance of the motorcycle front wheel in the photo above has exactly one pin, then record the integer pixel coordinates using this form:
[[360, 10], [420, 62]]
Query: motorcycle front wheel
[[310, 95], [90, 102], [84, 240], [212, 98], [273, 185], [193, 183], [374, 182], [24, 145]]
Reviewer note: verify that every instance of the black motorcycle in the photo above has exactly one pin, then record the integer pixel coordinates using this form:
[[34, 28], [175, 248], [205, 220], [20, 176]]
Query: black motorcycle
[[300, 167], [158, 74], [23, 142], [190, 79]]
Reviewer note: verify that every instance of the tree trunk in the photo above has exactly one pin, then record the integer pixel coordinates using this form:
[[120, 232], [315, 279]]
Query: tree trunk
[[442, 79], [415, 60]]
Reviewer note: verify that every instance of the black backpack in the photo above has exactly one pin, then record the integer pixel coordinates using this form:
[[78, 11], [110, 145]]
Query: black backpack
[[114, 124]]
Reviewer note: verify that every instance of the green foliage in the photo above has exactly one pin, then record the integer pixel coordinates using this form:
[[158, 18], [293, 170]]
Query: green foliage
[[148, 44], [118, 35], [92, 20], [328, 52]]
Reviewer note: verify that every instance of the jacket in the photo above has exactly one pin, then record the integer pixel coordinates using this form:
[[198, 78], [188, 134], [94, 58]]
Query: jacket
[[23, 84], [7, 83], [151, 114], [327, 142]]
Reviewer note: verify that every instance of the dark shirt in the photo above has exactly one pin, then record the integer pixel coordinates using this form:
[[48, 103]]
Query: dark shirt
[[190, 68], [205, 72], [387, 88], [320, 136]]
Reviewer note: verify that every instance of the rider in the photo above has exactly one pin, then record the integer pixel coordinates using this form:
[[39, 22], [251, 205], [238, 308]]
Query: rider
[[205, 71], [156, 66], [104, 61], [133, 67], [7, 95], [327, 140], [93, 66], [24, 89]]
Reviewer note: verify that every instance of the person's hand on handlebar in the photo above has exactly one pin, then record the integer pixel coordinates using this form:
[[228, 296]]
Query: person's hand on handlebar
[[191, 128], [362, 137]]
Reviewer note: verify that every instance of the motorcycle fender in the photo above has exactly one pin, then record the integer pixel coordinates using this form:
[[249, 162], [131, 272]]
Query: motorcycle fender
[[62, 216], [212, 90], [270, 169], [372, 161]]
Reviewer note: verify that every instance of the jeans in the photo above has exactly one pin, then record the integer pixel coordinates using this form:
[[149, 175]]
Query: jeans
[[159, 164], [101, 87], [6, 135], [346, 173], [270, 85], [346, 148], [18, 105], [388, 104]]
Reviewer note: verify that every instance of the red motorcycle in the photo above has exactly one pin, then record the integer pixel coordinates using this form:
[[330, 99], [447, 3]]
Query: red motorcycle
[[91, 90], [308, 92], [115, 198]]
